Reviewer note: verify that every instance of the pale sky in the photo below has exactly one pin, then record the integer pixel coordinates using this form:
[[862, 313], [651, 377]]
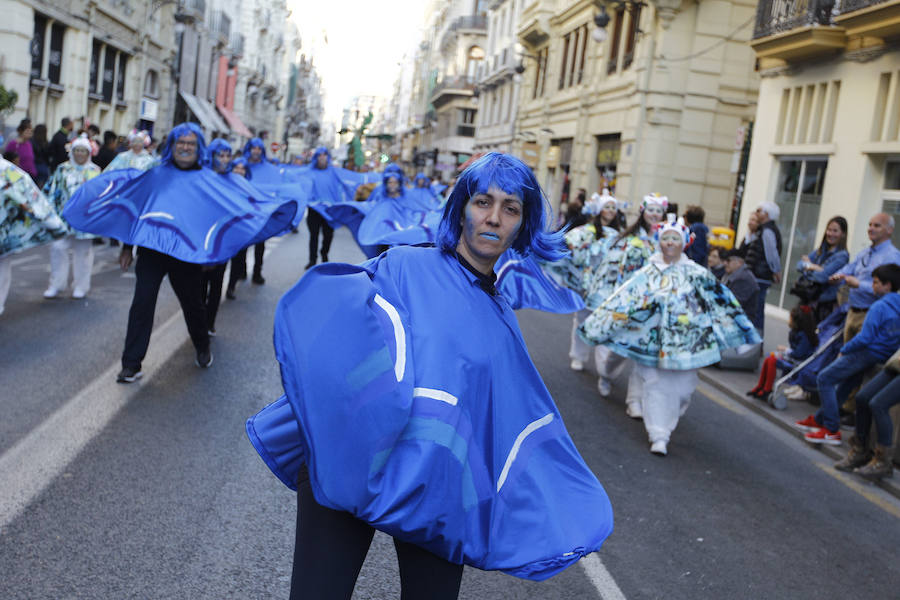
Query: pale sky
[[365, 41]]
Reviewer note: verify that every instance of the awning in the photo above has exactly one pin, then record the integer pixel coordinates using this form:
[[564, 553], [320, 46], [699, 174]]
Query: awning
[[211, 111], [235, 122], [201, 113]]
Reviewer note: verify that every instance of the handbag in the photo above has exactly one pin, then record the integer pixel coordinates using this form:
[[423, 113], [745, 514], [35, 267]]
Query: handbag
[[807, 290]]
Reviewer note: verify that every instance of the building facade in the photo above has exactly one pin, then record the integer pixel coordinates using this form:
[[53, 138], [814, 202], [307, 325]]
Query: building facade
[[826, 139], [655, 105]]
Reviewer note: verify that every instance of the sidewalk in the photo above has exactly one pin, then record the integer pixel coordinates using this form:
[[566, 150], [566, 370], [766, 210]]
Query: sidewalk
[[733, 385]]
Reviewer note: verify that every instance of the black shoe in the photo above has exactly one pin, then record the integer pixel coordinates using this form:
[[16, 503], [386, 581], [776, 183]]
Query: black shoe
[[128, 375], [754, 393], [211, 332], [310, 265], [294, 230], [324, 258], [204, 359], [98, 241], [258, 279], [113, 242], [229, 293], [848, 421]]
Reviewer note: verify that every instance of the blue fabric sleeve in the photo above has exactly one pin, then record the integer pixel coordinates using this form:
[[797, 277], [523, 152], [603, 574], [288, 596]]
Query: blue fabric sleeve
[[831, 266]]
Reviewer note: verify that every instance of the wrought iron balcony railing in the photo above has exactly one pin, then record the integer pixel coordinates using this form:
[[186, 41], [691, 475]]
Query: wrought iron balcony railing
[[777, 16], [847, 6]]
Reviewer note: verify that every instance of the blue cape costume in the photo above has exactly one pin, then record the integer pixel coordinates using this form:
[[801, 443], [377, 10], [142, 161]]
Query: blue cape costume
[[195, 215], [441, 434], [525, 284], [411, 218]]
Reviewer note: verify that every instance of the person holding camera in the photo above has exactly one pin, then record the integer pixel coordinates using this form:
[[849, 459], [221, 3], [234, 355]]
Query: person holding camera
[[815, 268]]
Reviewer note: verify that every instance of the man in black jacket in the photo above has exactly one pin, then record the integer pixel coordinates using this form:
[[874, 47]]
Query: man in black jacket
[[763, 257], [57, 147], [740, 280]]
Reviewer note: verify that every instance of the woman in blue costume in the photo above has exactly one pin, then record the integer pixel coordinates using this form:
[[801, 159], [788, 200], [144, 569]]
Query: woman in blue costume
[[239, 167], [623, 257], [315, 222], [672, 317], [66, 179], [212, 276], [588, 245], [412, 407], [27, 219], [397, 215]]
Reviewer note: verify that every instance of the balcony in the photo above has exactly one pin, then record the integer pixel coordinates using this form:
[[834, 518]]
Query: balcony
[[221, 26], [870, 19], [470, 24], [791, 30], [191, 10], [534, 24], [451, 86]]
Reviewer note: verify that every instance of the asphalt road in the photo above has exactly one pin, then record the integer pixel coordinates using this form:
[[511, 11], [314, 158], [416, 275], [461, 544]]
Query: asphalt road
[[152, 490]]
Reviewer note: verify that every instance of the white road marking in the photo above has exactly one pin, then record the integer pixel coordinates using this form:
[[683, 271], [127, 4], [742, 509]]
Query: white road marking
[[601, 579], [31, 465]]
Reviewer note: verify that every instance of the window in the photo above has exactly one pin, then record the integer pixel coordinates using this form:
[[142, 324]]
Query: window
[[540, 73], [631, 39], [466, 126], [151, 84], [473, 59], [40, 49], [615, 41], [120, 78], [54, 61], [799, 197], [890, 194], [37, 46], [95, 66], [565, 57], [109, 74]]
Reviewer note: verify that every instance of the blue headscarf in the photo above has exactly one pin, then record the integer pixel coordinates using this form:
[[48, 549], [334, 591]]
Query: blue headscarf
[[240, 160], [255, 143], [421, 177], [513, 177], [216, 146], [180, 131]]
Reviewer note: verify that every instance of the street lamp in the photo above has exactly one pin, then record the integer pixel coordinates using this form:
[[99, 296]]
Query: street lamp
[[601, 19]]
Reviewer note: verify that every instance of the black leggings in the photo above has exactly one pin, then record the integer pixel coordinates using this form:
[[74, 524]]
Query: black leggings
[[330, 549]]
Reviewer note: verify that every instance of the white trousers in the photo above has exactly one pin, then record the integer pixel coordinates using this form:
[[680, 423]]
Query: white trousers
[[5, 279], [666, 395], [579, 349], [82, 263]]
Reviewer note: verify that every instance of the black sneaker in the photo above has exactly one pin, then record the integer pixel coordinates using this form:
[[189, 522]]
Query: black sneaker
[[128, 375], [229, 293], [204, 359], [848, 422], [258, 279]]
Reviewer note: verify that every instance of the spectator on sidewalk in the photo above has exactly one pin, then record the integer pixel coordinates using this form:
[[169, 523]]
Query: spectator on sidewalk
[[857, 275], [802, 342], [752, 234], [716, 264], [109, 150], [878, 338], [739, 280], [21, 145], [822, 263], [873, 402], [764, 258], [698, 251], [58, 151], [41, 154]]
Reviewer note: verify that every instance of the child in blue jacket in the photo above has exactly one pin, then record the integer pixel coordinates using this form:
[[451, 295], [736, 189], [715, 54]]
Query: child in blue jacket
[[874, 344]]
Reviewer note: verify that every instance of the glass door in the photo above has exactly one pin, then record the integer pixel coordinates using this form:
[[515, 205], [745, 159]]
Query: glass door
[[799, 196]]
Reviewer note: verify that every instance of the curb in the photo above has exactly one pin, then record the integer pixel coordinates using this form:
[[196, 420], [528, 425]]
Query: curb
[[890, 485]]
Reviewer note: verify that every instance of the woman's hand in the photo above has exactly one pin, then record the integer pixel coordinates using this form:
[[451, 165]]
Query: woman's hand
[[814, 267], [125, 258]]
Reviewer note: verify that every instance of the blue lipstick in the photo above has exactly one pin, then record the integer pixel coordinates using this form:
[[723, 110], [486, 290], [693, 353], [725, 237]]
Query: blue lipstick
[[490, 236]]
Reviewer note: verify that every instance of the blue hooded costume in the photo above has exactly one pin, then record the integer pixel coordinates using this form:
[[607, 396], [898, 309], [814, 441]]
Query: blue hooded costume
[[410, 218], [194, 215], [410, 395]]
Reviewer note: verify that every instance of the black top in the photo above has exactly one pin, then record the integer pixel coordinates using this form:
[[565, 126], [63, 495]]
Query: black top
[[58, 153], [485, 282], [104, 157]]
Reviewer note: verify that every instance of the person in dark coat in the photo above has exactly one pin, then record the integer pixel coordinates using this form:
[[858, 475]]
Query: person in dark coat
[[740, 280], [699, 249], [58, 152], [109, 150]]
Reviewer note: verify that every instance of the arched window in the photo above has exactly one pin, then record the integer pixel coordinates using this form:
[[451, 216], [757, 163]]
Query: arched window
[[473, 59], [151, 84]]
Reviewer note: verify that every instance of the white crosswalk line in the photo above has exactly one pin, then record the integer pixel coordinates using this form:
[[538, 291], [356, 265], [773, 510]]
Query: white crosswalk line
[[600, 578]]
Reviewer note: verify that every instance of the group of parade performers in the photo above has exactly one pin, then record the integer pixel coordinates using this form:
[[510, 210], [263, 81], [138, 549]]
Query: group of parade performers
[[411, 404]]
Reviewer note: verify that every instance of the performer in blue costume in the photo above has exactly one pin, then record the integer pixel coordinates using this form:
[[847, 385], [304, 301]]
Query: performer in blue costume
[[240, 167], [411, 406], [525, 284], [262, 171], [180, 215], [213, 276], [672, 317]]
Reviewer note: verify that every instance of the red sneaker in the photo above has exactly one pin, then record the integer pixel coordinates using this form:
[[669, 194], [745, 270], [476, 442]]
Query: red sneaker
[[808, 424], [823, 436]]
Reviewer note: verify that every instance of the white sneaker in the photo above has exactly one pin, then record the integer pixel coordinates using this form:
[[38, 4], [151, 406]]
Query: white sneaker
[[603, 386], [659, 447], [633, 410], [51, 292], [799, 394], [576, 365], [791, 390], [78, 294]]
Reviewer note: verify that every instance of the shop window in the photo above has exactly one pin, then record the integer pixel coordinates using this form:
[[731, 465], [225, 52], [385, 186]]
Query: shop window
[[608, 152]]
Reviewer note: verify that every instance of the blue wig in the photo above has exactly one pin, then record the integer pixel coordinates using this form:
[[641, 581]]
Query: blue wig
[[315, 156], [240, 160], [180, 131], [254, 143], [216, 146], [513, 177]]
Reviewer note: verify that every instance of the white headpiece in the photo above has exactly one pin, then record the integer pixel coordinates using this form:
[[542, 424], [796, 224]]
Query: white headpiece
[[598, 201], [80, 142]]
